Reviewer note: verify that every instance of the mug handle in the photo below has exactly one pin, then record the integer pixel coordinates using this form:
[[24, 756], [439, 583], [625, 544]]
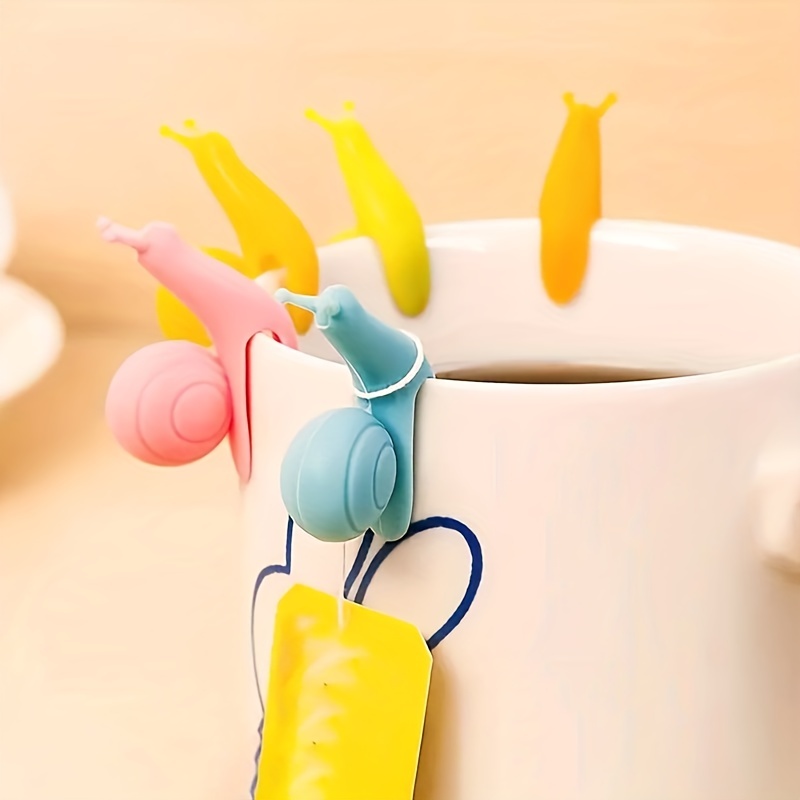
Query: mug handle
[[776, 515]]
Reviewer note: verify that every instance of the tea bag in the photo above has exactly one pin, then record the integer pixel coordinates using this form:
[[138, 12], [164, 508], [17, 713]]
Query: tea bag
[[346, 702]]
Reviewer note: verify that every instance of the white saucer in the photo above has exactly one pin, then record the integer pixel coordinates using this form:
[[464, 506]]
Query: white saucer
[[7, 229], [31, 337]]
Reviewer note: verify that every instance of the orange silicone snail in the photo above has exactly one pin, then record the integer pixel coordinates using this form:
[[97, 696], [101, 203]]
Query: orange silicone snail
[[571, 200]]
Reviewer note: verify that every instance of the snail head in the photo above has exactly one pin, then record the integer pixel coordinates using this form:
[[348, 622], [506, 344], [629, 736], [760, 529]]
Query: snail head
[[331, 305], [347, 131], [196, 140], [376, 354], [591, 111]]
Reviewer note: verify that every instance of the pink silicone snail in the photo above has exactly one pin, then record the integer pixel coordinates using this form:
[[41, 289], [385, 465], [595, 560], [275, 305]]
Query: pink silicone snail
[[173, 402]]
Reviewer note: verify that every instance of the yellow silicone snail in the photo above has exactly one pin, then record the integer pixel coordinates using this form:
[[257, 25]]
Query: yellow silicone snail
[[270, 234], [384, 211]]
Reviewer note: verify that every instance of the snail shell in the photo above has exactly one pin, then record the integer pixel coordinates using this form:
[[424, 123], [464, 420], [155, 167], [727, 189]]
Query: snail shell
[[169, 403], [338, 474]]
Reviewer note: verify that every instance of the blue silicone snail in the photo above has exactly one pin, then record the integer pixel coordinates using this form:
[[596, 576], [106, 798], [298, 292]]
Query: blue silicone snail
[[352, 469]]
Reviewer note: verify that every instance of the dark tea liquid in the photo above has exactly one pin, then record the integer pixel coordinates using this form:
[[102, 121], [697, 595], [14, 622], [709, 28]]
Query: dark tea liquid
[[536, 372]]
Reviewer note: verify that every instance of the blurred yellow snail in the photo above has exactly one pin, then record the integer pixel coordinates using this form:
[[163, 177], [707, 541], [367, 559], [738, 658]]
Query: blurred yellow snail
[[384, 211], [270, 234], [571, 200]]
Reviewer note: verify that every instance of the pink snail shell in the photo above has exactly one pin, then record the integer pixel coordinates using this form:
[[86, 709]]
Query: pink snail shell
[[169, 403]]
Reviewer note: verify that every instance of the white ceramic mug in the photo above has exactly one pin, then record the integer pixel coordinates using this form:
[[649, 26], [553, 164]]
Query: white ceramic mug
[[606, 569]]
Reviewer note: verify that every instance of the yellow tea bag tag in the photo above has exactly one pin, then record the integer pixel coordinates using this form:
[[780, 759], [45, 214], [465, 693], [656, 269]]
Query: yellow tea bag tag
[[346, 702]]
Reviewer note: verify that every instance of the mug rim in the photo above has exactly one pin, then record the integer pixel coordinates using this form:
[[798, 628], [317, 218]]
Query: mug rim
[[763, 369], [605, 229]]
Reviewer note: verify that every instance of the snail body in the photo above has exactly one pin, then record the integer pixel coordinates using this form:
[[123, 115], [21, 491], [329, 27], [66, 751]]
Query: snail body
[[384, 212], [175, 319], [571, 201], [177, 322]]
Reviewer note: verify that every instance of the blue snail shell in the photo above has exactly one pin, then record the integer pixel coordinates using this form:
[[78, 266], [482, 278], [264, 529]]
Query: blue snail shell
[[338, 474]]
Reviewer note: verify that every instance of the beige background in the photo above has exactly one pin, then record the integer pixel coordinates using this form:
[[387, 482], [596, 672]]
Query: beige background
[[462, 96], [116, 617]]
